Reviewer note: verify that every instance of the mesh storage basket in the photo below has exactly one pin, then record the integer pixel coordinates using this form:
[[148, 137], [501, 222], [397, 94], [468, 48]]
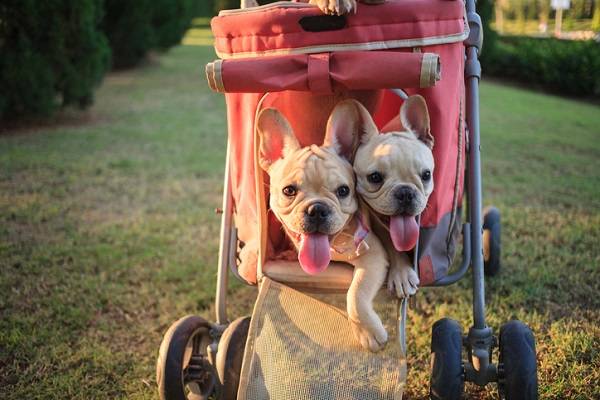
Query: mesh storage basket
[[301, 346]]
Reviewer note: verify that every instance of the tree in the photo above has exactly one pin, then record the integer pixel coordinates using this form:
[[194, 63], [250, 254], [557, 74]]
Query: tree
[[128, 26], [596, 17], [52, 55], [134, 27], [170, 20], [485, 9]]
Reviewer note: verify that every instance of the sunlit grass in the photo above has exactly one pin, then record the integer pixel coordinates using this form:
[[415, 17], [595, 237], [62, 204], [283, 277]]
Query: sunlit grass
[[108, 235]]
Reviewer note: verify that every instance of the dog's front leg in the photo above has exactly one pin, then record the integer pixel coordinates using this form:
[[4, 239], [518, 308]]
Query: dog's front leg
[[402, 279], [369, 275]]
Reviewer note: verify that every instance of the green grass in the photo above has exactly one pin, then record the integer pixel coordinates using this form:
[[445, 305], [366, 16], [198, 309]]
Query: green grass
[[108, 235]]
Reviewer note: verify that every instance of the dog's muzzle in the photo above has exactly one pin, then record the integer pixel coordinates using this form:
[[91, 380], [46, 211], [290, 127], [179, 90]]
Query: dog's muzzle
[[405, 201], [316, 218]]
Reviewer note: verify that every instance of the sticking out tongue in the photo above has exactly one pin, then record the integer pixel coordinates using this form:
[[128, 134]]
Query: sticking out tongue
[[404, 232], [314, 253]]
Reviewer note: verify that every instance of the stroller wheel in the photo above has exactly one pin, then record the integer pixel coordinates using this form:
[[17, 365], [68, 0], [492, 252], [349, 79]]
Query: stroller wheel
[[491, 241], [517, 368], [230, 355], [447, 375], [182, 369]]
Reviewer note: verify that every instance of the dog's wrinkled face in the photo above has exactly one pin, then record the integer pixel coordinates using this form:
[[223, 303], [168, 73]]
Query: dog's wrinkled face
[[395, 172], [312, 189]]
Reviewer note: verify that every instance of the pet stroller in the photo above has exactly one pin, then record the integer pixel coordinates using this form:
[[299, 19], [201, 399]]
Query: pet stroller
[[298, 343]]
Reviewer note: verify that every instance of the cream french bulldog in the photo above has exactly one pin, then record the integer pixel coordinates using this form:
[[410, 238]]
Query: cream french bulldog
[[394, 173], [312, 193], [340, 7]]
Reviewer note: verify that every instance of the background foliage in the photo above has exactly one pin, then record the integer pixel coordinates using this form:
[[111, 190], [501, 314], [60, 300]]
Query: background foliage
[[134, 27], [128, 27], [54, 53], [535, 58], [522, 10], [568, 67], [51, 55]]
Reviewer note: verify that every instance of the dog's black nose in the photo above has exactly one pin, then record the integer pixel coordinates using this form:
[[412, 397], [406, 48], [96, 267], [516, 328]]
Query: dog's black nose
[[405, 195], [317, 212]]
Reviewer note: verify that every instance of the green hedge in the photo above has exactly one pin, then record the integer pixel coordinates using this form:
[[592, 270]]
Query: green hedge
[[51, 55], [128, 26], [54, 53], [557, 66], [170, 20], [134, 27]]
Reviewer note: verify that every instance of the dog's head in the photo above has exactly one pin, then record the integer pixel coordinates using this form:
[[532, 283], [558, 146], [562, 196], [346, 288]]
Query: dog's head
[[312, 189], [394, 171]]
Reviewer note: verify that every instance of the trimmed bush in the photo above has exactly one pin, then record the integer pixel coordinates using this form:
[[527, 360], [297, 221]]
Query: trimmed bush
[[52, 55], [485, 9], [128, 26], [227, 5], [134, 27], [557, 66], [170, 21]]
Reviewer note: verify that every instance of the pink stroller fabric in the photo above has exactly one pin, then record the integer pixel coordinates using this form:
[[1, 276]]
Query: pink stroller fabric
[[325, 73], [396, 45]]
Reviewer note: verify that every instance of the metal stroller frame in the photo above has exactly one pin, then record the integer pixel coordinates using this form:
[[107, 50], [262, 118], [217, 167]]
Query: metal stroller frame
[[516, 378]]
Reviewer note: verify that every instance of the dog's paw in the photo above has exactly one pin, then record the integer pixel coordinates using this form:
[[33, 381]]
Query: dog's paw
[[402, 281], [248, 259], [373, 339], [335, 7]]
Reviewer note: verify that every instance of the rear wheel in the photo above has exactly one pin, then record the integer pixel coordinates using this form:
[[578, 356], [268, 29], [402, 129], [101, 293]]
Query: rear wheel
[[230, 356], [517, 368], [182, 369], [447, 377], [491, 241]]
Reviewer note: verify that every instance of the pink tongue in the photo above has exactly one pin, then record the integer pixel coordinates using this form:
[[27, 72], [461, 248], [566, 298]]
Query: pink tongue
[[314, 253], [404, 232]]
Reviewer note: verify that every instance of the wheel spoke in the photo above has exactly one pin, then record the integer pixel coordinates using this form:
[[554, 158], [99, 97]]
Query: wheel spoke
[[195, 371]]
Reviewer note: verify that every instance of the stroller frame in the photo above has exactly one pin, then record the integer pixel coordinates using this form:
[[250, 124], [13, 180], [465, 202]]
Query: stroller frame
[[480, 337], [480, 340]]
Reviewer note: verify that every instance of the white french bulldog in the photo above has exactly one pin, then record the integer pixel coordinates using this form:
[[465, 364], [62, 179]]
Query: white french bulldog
[[394, 173], [312, 193]]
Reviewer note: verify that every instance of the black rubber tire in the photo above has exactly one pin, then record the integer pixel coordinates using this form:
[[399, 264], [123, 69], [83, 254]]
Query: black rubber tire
[[181, 368], [517, 365], [447, 375], [491, 241], [230, 356]]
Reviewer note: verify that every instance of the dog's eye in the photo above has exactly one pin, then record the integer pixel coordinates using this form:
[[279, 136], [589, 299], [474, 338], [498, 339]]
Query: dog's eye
[[289, 191], [343, 191], [375, 177], [426, 176]]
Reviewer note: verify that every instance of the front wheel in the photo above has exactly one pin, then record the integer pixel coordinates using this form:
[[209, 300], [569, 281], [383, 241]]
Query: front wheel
[[182, 369], [517, 368], [230, 356], [447, 377]]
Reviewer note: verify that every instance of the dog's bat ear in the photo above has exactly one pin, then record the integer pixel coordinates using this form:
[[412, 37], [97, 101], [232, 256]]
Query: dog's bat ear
[[348, 122], [415, 117], [342, 129], [276, 137]]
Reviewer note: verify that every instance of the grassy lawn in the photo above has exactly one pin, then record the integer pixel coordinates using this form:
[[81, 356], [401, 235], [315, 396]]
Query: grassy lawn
[[108, 235]]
